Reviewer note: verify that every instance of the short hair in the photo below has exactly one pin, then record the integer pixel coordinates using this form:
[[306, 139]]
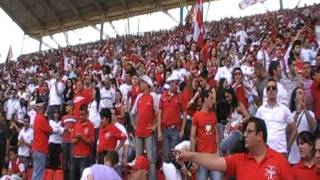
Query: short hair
[[258, 66], [204, 74], [272, 66], [290, 61], [26, 117], [260, 126], [112, 156], [83, 107], [271, 80], [106, 113], [307, 137], [14, 150]]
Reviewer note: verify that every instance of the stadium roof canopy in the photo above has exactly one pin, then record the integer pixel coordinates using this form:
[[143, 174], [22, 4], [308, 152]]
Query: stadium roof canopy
[[38, 18]]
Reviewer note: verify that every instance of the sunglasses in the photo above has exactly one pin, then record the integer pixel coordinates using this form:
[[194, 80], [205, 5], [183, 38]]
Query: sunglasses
[[273, 88]]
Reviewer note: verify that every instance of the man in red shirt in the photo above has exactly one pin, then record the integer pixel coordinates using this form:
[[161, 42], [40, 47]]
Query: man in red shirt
[[204, 128], [81, 140], [68, 121], [82, 96], [40, 147], [260, 162], [315, 91], [144, 110], [171, 107], [109, 134]]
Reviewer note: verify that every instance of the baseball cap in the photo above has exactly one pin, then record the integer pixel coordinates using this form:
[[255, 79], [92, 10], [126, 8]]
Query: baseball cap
[[140, 162]]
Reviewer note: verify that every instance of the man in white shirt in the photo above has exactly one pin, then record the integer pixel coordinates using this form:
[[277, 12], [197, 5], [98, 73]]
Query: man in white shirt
[[225, 71], [277, 118], [108, 94], [56, 87], [125, 87], [262, 55], [10, 104], [275, 72], [25, 138]]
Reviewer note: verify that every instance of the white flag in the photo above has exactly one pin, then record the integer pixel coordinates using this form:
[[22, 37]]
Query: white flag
[[246, 3]]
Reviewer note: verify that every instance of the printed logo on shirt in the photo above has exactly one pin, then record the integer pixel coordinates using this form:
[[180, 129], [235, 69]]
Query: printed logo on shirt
[[78, 99], [271, 172], [86, 131], [208, 128], [108, 134]]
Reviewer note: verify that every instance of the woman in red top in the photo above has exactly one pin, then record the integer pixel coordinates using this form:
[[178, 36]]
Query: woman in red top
[[119, 107], [237, 77], [306, 168]]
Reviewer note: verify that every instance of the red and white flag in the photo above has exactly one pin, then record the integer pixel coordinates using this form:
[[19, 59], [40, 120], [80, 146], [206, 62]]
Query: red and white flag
[[198, 29], [9, 55], [246, 3]]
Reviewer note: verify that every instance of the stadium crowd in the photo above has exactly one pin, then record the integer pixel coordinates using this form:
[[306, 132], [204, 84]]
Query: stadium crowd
[[118, 108]]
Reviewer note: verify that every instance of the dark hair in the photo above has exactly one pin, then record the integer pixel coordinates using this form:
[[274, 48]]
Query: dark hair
[[98, 97], [307, 137], [260, 126], [14, 150], [272, 66], [83, 107], [204, 74], [204, 94], [106, 113], [292, 99], [234, 70], [234, 102], [112, 156], [290, 61], [26, 117], [271, 80]]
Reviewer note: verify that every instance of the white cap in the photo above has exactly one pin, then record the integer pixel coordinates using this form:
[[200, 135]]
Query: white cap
[[174, 77], [147, 80]]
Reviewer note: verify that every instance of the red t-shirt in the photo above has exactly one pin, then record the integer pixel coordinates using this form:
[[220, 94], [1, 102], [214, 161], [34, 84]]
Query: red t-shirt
[[41, 132], [171, 105], [68, 121], [240, 93], [135, 91], [205, 123], [79, 99], [79, 148], [315, 91], [300, 171], [108, 137], [145, 115], [244, 167]]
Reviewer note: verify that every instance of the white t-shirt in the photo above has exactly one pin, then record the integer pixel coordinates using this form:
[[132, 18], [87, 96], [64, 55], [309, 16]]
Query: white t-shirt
[[126, 142], [276, 118], [56, 136], [54, 95], [302, 125], [27, 136], [94, 113], [107, 97], [224, 72]]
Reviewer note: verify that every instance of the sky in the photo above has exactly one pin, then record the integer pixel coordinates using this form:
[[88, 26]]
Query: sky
[[11, 34]]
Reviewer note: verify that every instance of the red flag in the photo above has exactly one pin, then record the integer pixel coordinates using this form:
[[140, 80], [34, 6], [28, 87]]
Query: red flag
[[9, 55], [198, 29]]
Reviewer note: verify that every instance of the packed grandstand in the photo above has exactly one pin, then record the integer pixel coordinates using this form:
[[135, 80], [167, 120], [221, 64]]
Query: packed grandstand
[[127, 102]]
